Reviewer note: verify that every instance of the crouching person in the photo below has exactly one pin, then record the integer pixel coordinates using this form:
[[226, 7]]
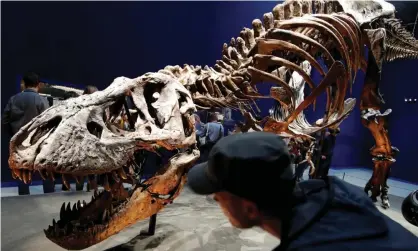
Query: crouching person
[[251, 178]]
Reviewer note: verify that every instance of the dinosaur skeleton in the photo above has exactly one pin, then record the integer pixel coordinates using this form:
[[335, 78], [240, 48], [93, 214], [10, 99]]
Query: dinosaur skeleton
[[75, 138]]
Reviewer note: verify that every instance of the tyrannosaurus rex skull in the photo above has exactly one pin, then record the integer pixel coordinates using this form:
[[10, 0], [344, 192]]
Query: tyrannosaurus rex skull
[[77, 138], [74, 138]]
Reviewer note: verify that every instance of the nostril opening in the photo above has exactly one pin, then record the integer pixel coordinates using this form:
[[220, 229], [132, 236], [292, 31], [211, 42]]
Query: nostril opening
[[148, 128], [95, 129], [42, 161], [45, 128]]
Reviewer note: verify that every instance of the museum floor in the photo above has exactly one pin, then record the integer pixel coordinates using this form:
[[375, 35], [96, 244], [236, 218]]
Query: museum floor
[[190, 223]]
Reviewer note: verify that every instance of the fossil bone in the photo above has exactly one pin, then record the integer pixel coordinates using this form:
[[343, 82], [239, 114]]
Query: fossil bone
[[79, 136]]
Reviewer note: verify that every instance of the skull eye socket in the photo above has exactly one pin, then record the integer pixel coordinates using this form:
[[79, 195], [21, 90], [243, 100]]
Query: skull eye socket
[[95, 129], [181, 98], [152, 94]]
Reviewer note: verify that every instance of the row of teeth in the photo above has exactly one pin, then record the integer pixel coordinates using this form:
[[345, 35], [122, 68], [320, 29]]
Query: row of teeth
[[70, 216], [26, 176]]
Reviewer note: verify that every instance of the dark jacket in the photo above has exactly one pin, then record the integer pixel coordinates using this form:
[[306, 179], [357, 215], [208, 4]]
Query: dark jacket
[[341, 217], [329, 145], [22, 108]]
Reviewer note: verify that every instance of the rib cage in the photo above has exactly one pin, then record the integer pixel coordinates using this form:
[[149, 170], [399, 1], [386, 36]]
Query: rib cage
[[287, 36]]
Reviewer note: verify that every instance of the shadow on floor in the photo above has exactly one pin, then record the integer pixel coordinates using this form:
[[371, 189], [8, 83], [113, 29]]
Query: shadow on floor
[[225, 237]]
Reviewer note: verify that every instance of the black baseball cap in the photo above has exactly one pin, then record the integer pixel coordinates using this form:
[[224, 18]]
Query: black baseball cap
[[255, 166]]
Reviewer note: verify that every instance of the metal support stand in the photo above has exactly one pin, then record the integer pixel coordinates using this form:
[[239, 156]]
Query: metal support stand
[[151, 226]]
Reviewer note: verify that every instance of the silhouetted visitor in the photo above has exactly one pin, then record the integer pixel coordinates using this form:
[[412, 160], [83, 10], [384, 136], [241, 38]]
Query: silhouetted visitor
[[198, 127], [252, 180], [90, 89], [212, 132], [301, 162], [327, 151], [20, 110]]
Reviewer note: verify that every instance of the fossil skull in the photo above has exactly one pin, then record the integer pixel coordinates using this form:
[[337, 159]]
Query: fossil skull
[[47, 142], [77, 138]]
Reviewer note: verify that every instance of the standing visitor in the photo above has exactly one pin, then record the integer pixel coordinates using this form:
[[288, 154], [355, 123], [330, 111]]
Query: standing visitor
[[20, 110], [327, 152], [212, 132]]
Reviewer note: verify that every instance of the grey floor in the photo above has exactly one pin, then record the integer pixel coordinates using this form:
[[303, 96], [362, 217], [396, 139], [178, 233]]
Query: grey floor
[[190, 223]]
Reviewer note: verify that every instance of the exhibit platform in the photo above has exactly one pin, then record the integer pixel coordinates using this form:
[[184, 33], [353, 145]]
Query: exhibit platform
[[191, 223]]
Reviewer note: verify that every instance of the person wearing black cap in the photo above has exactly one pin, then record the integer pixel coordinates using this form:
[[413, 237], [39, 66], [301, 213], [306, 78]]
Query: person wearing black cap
[[253, 182]]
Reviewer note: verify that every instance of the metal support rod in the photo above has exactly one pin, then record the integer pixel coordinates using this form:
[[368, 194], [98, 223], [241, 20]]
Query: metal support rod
[[151, 226]]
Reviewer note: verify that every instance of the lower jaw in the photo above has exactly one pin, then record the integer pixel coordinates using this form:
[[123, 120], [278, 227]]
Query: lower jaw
[[142, 203], [140, 206]]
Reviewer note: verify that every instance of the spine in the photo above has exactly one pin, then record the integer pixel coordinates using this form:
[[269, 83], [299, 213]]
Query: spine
[[228, 83]]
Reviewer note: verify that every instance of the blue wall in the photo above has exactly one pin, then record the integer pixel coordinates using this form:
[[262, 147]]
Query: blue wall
[[92, 43]]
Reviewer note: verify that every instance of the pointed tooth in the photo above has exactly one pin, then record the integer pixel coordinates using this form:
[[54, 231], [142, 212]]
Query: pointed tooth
[[53, 222], [106, 183], [45, 232], [78, 179], [18, 173], [131, 170], [62, 211], [122, 173], [68, 207], [56, 229], [13, 174], [51, 175], [74, 207], [25, 175], [65, 182], [105, 215], [79, 205], [115, 176], [42, 173], [30, 176], [84, 203]]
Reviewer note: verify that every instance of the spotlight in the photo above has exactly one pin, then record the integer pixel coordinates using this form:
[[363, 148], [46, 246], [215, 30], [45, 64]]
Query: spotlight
[[410, 100], [406, 100]]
